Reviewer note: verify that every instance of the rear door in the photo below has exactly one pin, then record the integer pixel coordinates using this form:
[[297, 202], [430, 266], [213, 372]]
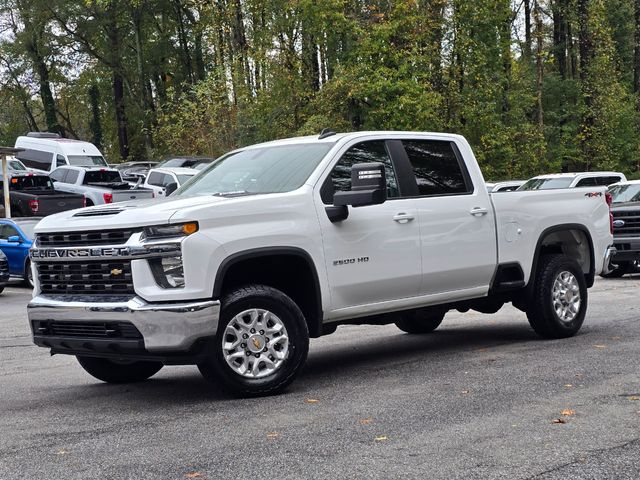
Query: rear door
[[374, 255], [456, 219]]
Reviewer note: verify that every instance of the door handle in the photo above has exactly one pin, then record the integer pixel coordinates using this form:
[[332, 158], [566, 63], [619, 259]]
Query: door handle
[[478, 211], [403, 217]]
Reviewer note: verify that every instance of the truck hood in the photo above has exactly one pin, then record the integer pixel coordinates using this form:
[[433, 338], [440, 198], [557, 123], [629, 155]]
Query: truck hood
[[135, 213]]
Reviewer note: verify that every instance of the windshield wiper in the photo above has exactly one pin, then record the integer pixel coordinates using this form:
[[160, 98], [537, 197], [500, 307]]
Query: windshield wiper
[[237, 193]]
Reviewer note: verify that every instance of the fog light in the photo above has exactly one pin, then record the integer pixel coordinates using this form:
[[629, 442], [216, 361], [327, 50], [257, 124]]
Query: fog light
[[168, 271]]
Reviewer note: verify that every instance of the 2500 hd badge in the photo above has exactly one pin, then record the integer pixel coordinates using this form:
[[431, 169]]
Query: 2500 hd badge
[[349, 261]]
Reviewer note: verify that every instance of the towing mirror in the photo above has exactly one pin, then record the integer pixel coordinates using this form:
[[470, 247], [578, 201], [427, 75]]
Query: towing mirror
[[169, 189], [368, 187]]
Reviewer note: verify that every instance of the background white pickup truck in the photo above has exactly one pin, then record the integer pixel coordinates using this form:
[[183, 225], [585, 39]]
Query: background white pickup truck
[[99, 185], [283, 241]]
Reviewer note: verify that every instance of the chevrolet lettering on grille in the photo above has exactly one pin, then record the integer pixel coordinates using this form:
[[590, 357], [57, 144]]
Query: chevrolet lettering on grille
[[42, 253]]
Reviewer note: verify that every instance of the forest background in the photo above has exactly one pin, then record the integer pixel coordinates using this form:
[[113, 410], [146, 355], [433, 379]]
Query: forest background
[[536, 86]]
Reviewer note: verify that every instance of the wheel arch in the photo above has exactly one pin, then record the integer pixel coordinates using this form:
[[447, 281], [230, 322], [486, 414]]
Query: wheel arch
[[251, 266], [572, 239]]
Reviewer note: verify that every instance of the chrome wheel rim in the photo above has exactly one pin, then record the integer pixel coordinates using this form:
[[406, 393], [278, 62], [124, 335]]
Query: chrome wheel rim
[[255, 343], [566, 296]]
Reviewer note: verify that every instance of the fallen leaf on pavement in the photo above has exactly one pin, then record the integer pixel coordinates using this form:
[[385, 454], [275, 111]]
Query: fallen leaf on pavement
[[567, 412], [366, 421], [464, 392], [273, 435], [62, 451], [311, 400], [568, 385], [193, 475], [600, 346], [633, 398], [559, 420], [381, 438]]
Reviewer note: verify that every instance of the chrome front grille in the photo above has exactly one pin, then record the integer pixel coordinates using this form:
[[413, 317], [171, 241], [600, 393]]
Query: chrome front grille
[[81, 239], [91, 277], [631, 223]]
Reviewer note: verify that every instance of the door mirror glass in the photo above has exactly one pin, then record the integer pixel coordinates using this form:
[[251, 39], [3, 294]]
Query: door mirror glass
[[14, 239], [368, 186]]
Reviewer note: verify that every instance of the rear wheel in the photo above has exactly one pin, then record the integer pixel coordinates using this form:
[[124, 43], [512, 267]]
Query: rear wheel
[[559, 301], [114, 371], [420, 321], [261, 344]]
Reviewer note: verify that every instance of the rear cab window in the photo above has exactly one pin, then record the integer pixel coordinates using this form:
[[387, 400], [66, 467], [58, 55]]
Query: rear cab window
[[101, 176]]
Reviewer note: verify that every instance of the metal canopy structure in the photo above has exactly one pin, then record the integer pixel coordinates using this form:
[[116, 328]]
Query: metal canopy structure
[[4, 151]]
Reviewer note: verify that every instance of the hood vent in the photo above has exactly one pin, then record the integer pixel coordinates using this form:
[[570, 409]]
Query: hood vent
[[99, 212]]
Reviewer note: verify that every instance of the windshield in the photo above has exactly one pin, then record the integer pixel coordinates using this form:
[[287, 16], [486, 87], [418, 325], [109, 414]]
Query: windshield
[[17, 166], [625, 193], [183, 178], [546, 183], [86, 161], [274, 169], [100, 176]]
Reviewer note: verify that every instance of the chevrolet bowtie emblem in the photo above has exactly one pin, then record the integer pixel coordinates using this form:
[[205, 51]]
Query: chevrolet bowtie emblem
[[115, 272], [256, 343]]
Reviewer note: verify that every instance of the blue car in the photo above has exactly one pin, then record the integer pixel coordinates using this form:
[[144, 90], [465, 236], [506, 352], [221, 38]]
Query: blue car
[[16, 238]]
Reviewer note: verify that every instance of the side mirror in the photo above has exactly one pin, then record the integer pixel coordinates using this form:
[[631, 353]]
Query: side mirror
[[169, 189], [368, 187], [14, 239]]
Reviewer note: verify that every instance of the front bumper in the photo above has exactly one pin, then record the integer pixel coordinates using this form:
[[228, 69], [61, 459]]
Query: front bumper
[[165, 327], [627, 250]]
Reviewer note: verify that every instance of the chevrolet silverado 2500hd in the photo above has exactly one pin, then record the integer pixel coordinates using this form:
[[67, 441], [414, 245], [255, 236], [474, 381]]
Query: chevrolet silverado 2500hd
[[280, 242]]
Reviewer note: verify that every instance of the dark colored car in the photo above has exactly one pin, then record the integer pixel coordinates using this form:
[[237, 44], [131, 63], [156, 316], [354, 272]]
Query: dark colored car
[[625, 208], [4, 271], [16, 238], [184, 162], [33, 195]]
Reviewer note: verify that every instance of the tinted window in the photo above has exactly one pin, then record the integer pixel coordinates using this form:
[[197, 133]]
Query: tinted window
[[365, 152], [31, 182], [60, 161], [155, 178], [100, 176], [59, 175], [606, 181], [72, 176], [436, 167], [86, 161], [36, 159], [587, 182], [7, 231]]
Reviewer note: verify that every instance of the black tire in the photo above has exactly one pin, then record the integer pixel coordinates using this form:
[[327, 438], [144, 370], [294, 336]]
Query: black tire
[[420, 321], [541, 314], [89, 203], [1, 288], [618, 270], [216, 369], [28, 274], [111, 371]]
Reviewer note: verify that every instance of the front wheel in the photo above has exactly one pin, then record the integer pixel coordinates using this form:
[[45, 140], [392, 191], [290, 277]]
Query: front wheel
[[261, 344], [559, 301], [113, 371], [28, 274]]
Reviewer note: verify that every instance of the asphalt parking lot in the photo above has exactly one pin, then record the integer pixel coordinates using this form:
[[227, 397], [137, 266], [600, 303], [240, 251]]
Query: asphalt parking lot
[[482, 397]]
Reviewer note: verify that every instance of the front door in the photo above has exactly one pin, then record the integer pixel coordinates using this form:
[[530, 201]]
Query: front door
[[374, 255]]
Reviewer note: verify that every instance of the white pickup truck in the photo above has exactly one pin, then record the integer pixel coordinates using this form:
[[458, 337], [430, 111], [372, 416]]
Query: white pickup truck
[[99, 185], [281, 242]]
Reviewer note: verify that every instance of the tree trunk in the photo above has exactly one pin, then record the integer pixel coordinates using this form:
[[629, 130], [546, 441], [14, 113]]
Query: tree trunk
[[585, 44], [95, 123], [527, 29], [636, 53], [560, 36], [539, 65]]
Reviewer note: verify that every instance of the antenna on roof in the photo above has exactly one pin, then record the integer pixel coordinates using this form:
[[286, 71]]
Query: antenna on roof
[[326, 132]]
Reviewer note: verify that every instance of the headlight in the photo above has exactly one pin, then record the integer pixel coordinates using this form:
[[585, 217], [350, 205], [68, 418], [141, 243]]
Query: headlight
[[168, 271], [169, 231]]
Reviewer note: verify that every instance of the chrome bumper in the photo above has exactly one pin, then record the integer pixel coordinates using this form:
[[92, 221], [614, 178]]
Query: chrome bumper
[[165, 327], [606, 265]]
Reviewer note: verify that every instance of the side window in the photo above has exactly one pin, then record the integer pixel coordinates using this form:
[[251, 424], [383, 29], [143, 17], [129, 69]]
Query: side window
[[155, 179], [3, 232], [36, 159], [168, 180], [365, 152], [58, 175], [587, 182], [7, 231], [606, 181], [72, 176], [436, 167], [60, 160]]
